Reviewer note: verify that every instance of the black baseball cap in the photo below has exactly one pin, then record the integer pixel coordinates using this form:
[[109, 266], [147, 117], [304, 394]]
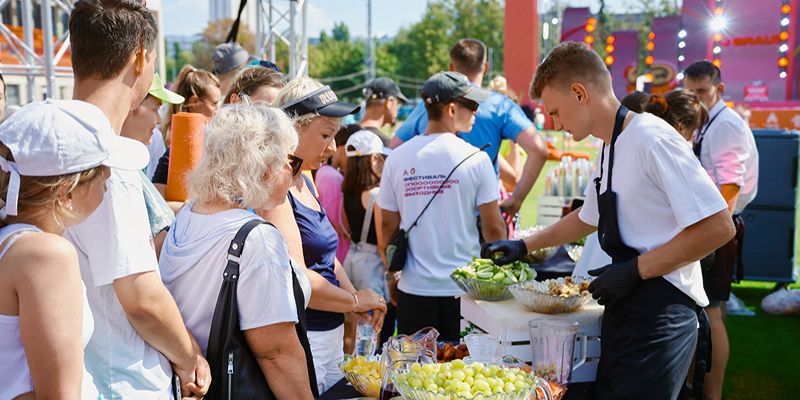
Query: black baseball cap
[[322, 101], [381, 88], [448, 86]]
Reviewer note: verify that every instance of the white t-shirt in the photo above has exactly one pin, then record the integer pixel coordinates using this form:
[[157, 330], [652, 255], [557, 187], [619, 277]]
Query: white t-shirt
[[194, 257], [446, 237], [661, 190], [729, 154], [156, 148], [113, 243], [593, 256]]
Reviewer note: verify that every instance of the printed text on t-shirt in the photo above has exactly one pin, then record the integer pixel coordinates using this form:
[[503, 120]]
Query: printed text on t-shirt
[[425, 185]]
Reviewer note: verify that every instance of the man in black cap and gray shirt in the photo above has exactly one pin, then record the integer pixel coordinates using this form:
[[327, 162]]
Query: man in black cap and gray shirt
[[383, 99], [445, 236]]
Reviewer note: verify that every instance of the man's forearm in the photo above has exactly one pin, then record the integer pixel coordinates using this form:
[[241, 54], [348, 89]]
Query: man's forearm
[[536, 156], [730, 193], [566, 230], [530, 172], [160, 324], [688, 246]]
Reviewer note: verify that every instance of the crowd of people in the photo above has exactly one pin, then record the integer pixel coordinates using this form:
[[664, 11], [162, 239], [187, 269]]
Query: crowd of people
[[290, 213]]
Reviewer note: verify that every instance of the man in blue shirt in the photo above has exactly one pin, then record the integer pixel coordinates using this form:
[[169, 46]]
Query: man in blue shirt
[[498, 118]]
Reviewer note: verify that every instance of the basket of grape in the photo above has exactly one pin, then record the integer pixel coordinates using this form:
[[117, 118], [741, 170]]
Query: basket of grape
[[457, 380], [485, 280], [364, 373]]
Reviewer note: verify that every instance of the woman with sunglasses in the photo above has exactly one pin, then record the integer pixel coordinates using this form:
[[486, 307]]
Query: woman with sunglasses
[[317, 115], [201, 90], [247, 164]]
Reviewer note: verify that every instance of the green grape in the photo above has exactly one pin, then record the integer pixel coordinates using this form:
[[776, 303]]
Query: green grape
[[482, 386]]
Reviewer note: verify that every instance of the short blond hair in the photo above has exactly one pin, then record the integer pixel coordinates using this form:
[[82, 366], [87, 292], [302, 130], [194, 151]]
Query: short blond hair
[[245, 146], [567, 63], [296, 89]]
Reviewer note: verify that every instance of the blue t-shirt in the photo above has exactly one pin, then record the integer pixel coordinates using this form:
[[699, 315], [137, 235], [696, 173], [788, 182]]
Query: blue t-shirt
[[498, 118], [320, 241]]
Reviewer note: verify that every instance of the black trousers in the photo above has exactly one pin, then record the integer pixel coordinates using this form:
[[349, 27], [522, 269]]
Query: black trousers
[[417, 312], [647, 344]]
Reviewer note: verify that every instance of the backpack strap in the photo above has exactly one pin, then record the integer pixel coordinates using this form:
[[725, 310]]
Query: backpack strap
[[373, 194]]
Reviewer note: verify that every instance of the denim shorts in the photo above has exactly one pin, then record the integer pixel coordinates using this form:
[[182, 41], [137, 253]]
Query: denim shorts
[[365, 269]]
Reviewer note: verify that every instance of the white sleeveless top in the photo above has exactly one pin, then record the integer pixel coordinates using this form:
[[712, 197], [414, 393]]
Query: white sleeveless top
[[15, 376]]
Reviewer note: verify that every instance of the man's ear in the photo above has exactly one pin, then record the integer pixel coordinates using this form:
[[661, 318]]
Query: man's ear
[[486, 69], [579, 92], [721, 88], [139, 61]]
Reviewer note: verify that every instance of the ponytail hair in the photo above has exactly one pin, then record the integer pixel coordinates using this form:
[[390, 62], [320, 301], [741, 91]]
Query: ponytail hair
[[191, 82], [678, 108]]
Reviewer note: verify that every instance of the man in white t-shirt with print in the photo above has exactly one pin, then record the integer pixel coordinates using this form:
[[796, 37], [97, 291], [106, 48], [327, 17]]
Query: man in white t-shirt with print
[[727, 150], [656, 212], [446, 235], [139, 337]]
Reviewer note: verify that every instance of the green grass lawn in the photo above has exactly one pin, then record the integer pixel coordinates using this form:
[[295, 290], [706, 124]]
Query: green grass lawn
[[765, 350]]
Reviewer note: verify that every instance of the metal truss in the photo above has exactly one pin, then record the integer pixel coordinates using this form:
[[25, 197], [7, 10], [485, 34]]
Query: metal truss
[[275, 24], [31, 64]]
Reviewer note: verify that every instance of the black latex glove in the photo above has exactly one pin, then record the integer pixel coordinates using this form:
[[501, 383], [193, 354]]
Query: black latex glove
[[615, 282], [512, 251]]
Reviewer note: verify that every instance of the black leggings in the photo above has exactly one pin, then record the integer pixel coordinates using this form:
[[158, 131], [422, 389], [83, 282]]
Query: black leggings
[[417, 312]]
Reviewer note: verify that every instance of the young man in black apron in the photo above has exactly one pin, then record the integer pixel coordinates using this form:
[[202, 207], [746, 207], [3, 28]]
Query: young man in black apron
[[656, 212], [727, 150]]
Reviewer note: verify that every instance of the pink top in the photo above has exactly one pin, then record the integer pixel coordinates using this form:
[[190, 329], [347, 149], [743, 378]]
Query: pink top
[[329, 189]]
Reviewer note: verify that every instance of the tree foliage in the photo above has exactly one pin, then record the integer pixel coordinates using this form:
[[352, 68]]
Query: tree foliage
[[412, 56]]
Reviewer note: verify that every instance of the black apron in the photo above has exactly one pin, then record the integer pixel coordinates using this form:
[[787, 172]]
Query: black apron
[[647, 340]]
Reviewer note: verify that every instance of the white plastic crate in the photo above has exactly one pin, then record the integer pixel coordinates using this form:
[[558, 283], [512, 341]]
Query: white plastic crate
[[508, 320], [549, 209]]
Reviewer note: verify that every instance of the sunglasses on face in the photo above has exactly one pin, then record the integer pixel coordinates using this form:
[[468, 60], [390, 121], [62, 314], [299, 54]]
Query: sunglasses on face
[[468, 104], [295, 163]]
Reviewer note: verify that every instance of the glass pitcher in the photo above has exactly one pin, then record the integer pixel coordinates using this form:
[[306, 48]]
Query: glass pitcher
[[401, 351], [552, 345]]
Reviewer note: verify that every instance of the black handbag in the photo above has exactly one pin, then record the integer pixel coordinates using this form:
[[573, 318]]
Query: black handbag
[[235, 372], [397, 248]]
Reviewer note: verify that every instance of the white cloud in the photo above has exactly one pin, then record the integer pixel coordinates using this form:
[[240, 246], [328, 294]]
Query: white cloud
[[317, 20]]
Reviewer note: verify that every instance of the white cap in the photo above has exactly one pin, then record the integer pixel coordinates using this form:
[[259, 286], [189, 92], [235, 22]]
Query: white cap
[[59, 137], [364, 143]]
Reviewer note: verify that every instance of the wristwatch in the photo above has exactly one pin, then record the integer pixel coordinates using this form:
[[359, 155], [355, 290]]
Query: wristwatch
[[392, 276]]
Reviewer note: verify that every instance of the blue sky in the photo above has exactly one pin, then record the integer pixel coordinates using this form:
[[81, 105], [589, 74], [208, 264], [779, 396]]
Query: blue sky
[[186, 17]]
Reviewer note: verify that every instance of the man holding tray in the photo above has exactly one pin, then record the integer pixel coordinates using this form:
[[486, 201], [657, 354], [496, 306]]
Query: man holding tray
[[656, 212]]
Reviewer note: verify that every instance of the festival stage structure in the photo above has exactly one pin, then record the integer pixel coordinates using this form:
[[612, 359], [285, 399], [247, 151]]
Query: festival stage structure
[[754, 42]]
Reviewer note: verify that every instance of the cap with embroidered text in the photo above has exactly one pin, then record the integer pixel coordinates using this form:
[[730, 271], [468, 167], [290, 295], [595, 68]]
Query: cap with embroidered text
[[322, 101]]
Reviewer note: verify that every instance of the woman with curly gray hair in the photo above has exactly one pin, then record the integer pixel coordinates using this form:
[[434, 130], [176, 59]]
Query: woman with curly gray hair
[[248, 163]]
